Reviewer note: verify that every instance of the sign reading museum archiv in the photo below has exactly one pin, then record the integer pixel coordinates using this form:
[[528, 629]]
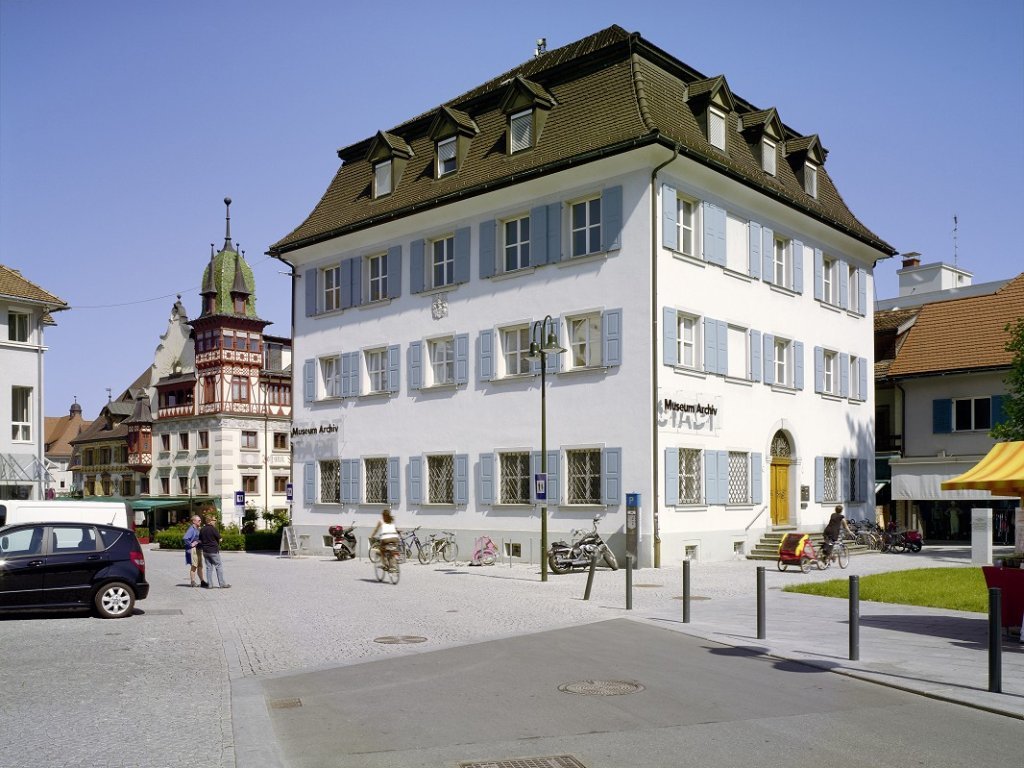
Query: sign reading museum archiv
[[323, 429], [700, 414]]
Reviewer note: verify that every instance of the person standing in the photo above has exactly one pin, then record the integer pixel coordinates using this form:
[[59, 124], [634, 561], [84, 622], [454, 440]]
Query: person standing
[[193, 554], [209, 540]]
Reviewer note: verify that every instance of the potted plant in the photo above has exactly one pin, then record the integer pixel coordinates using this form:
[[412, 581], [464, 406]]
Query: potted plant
[[142, 534]]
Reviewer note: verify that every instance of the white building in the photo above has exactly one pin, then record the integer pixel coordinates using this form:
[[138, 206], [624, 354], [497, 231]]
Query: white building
[[24, 314], [711, 289]]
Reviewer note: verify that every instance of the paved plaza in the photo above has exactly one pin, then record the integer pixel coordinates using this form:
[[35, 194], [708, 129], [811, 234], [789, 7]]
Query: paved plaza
[[212, 677]]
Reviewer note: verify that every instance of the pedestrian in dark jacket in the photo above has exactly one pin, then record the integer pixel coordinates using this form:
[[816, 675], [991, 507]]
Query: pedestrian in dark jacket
[[209, 542]]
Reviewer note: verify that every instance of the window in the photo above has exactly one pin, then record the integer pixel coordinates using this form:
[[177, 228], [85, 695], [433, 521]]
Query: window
[[442, 360], [330, 481], [144, 486], [382, 178], [830, 280], [716, 128], [811, 179], [690, 476], [377, 277], [183, 489], [854, 292], [831, 479], [972, 413], [851, 480], [165, 442], [768, 156], [520, 131], [584, 476], [686, 221], [783, 262], [515, 346], [737, 250], [831, 372], [204, 441], [376, 472], [239, 389], [738, 352], [584, 341], [515, 478], [854, 371], [251, 484], [204, 484], [739, 477], [280, 484], [442, 261], [280, 441], [377, 369], [330, 376], [17, 326], [688, 340], [209, 389], [183, 441], [517, 244], [441, 479], [239, 302], [331, 281], [165, 486], [783, 362], [21, 414], [446, 157], [586, 227], [250, 440]]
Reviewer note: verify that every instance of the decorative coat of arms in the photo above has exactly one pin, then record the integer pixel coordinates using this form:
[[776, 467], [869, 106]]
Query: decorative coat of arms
[[439, 308]]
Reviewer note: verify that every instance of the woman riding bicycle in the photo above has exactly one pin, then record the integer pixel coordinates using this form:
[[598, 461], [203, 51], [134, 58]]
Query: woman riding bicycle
[[836, 525], [385, 534]]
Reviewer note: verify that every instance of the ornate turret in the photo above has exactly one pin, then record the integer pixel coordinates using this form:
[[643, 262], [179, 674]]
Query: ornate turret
[[140, 435], [228, 287]]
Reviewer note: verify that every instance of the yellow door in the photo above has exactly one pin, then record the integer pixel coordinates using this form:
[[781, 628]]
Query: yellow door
[[780, 493]]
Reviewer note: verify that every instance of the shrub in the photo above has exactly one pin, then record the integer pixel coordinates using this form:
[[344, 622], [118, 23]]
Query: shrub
[[171, 538], [141, 532]]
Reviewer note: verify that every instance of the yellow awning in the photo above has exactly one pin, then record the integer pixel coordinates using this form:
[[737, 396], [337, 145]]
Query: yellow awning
[[1001, 471]]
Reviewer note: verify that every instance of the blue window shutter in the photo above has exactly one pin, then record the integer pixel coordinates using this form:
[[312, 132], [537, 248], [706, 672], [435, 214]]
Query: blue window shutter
[[844, 374], [394, 271], [669, 217], [539, 235], [394, 475], [844, 285], [862, 291], [714, 234], [461, 358], [461, 267], [346, 283], [611, 335], [309, 381], [767, 255], [486, 368], [710, 472], [553, 490], [723, 476], [354, 375], [819, 271], [461, 495], [671, 476], [349, 374], [769, 358], [611, 476], [487, 478], [416, 479], [755, 355], [309, 484], [862, 373], [756, 481], [611, 218], [754, 243], [723, 347], [554, 234], [708, 220], [554, 361], [357, 281], [942, 416], [798, 364], [354, 481], [862, 480], [417, 250], [819, 479], [346, 480], [819, 369], [488, 244], [394, 368], [415, 364], [670, 336], [798, 266], [711, 345], [998, 413], [309, 276]]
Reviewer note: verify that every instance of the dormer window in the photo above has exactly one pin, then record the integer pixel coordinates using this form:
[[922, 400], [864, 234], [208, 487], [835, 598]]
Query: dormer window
[[768, 156], [388, 156], [520, 131], [811, 179], [239, 305], [716, 128], [382, 178], [446, 161], [526, 105]]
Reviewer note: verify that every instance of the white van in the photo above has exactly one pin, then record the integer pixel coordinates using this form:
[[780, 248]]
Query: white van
[[117, 513]]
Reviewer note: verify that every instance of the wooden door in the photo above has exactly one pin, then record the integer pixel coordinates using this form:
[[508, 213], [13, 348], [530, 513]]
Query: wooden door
[[780, 493]]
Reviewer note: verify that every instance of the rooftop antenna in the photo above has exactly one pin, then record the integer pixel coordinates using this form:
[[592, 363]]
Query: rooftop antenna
[[108, 394], [954, 240], [542, 46]]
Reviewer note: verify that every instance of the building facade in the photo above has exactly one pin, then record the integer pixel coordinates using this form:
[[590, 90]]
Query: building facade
[[686, 250], [60, 431], [25, 312]]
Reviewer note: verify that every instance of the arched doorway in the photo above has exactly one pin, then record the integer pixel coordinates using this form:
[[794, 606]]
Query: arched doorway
[[782, 459]]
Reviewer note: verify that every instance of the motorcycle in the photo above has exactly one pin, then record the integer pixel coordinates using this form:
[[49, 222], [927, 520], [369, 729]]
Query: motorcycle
[[564, 557], [344, 545]]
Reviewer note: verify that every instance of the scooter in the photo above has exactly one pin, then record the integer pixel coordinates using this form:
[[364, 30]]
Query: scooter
[[344, 541], [564, 557]]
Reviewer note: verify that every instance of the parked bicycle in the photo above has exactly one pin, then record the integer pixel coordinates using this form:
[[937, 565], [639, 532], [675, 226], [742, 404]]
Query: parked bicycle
[[440, 547], [407, 542], [484, 551], [386, 561]]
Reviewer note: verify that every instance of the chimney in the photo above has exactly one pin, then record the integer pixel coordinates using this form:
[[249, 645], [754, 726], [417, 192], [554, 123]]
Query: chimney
[[911, 259]]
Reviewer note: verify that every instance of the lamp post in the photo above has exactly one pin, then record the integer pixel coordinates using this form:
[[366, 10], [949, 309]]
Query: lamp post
[[544, 342]]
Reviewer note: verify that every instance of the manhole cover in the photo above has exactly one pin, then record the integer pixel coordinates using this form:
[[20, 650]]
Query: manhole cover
[[399, 639], [285, 703], [692, 597], [601, 687], [555, 761]]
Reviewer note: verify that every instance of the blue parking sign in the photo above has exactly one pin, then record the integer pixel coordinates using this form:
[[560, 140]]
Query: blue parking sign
[[240, 499], [540, 483]]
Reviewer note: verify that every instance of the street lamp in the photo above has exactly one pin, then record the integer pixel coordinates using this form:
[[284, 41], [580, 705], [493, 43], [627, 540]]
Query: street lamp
[[544, 331]]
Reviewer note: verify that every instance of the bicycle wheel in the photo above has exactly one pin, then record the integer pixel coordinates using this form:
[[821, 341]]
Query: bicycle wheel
[[423, 553], [393, 570], [805, 564], [780, 565], [487, 557], [843, 555], [378, 568], [374, 555], [450, 552]]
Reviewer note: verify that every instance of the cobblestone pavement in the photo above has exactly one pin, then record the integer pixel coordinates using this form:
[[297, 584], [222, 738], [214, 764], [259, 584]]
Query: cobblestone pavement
[[155, 689]]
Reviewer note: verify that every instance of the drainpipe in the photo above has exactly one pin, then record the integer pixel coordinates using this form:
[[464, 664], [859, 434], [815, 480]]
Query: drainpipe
[[293, 275], [655, 363]]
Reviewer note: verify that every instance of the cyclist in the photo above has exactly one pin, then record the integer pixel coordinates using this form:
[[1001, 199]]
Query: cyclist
[[385, 534], [836, 526]]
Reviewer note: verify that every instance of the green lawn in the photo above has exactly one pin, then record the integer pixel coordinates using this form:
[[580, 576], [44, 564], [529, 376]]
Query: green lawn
[[960, 589]]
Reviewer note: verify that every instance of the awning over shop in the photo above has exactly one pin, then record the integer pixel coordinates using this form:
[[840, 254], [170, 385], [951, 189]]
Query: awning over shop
[[144, 505], [1000, 472]]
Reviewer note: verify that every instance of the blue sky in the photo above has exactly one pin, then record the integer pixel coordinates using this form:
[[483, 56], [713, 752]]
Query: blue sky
[[124, 124]]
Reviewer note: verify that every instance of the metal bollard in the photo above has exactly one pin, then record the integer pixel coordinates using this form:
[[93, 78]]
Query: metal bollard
[[995, 646], [629, 582], [855, 618], [686, 591], [590, 576], [761, 634]]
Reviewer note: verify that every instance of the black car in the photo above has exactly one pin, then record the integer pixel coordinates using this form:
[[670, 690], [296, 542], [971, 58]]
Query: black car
[[71, 565]]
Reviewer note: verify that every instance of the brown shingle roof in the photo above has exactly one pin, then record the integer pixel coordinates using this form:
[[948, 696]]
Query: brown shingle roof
[[15, 286], [613, 91], [60, 431], [963, 334]]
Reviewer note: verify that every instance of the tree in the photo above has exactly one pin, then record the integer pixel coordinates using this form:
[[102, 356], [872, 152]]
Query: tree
[[1012, 425]]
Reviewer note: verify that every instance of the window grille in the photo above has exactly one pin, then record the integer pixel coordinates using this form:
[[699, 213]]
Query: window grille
[[376, 471], [441, 472], [584, 476], [330, 481], [689, 476], [852, 476], [831, 479], [739, 478], [515, 478], [781, 446]]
